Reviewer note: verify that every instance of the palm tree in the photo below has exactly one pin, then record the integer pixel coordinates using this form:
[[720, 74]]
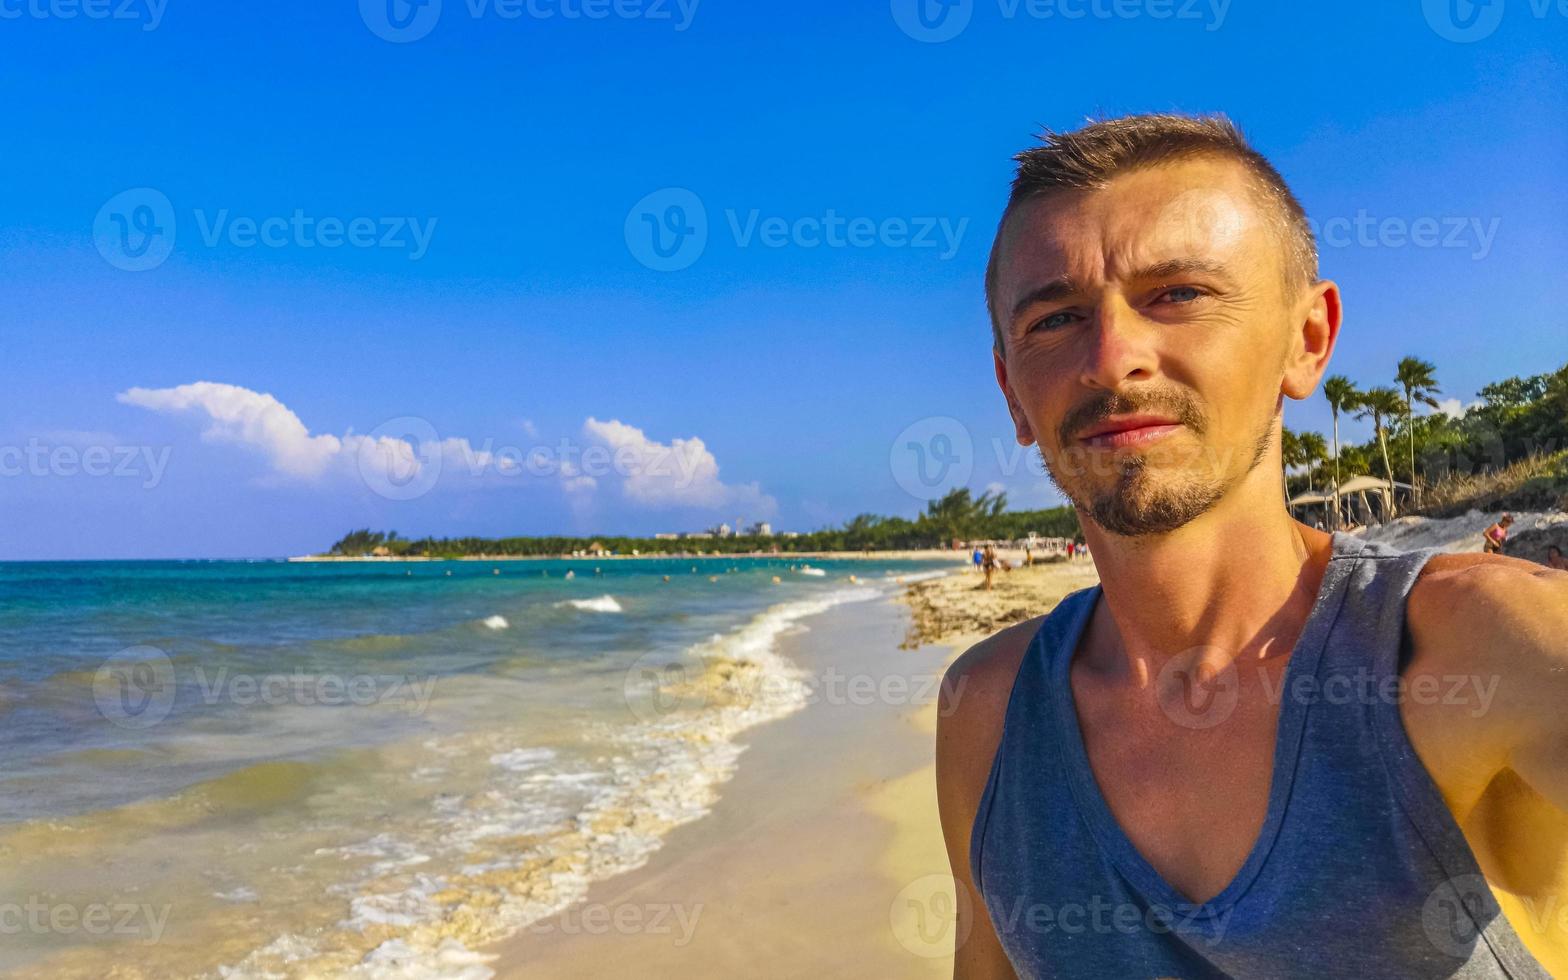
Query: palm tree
[[1341, 395], [1313, 451], [1289, 453], [1415, 376], [1382, 404]]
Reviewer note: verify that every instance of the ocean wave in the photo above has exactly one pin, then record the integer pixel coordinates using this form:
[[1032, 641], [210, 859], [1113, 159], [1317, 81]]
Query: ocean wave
[[603, 604], [548, 824], [496, 622]]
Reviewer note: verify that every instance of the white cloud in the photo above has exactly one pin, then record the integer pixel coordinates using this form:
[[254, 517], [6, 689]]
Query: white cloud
[[682, 473], [405, 457], [1452, 408]]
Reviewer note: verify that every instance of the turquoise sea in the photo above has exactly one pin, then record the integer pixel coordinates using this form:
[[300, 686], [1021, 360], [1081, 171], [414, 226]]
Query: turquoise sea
[[253, 769]]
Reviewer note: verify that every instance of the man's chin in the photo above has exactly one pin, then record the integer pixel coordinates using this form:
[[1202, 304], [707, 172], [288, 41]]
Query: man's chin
[[1136, 507]]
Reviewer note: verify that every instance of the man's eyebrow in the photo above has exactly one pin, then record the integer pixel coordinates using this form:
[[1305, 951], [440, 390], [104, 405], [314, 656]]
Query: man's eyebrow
[[1047, 292], [1175, 268]]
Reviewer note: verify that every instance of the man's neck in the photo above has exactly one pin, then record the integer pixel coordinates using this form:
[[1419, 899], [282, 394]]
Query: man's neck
[[1239, 580]]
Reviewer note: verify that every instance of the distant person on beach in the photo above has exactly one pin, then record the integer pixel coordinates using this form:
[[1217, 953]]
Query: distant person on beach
[[1495, 537], [1555, 559], [988, 565], [1226, 758], [979, 558]]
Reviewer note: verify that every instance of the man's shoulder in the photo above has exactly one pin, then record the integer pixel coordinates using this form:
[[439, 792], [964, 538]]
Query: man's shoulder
[[983, 674], [972, 712], [1476, 610]]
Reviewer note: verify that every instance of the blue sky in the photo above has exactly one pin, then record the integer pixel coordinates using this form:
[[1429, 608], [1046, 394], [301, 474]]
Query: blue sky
[[501, 157]]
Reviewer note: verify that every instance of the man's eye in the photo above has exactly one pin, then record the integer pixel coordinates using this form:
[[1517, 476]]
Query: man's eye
[[1054, 320], [1180, 294]]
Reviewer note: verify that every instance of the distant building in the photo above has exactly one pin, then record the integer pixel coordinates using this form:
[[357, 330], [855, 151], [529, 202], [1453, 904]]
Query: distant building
[[698, 534], [761, 529], [722, 531], [789, 534], [667, 536]]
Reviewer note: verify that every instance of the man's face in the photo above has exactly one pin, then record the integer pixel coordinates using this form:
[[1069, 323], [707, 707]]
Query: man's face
[[1162, 294]]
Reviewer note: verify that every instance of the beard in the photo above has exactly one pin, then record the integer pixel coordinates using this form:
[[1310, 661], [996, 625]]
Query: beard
[[1143, 497]]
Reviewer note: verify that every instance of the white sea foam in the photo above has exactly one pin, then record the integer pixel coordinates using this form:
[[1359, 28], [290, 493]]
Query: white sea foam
[[909, 578], [396, 960], [592, 817], [522, 760], [497, 622], [808, 570], [603, 604]]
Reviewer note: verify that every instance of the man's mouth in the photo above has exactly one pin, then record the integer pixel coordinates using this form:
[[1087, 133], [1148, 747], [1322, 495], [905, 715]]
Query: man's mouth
[[1129, 431]]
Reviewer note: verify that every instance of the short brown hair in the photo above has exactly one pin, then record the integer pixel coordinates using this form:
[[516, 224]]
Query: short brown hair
[[1088, 158]]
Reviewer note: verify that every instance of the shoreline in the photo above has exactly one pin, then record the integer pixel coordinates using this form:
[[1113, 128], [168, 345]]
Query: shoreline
[[823, 851], [959, 558]]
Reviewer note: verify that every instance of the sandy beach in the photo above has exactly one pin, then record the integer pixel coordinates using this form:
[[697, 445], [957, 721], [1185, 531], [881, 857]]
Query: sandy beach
[[823, 856]]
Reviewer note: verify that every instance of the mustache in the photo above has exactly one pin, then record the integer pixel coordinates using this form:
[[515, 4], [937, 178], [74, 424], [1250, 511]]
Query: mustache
[[1179, 405]]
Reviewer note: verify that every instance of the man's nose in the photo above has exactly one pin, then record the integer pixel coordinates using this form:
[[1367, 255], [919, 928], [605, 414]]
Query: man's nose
[[1122, 346]]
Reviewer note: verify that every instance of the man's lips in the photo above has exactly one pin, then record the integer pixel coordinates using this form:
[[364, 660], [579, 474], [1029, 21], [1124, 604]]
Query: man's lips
[[1136, 430]]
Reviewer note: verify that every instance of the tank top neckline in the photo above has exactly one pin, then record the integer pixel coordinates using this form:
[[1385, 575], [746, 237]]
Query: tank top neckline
[[1096, 812]]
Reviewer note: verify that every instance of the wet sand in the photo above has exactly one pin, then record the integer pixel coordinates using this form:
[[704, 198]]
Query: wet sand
[[823, 856]]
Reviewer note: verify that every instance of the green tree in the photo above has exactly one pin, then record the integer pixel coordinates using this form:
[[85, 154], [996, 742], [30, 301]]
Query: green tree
[[1380, 405], [1342, 397], [1289, 453], [1417, 379], [1314, 450]]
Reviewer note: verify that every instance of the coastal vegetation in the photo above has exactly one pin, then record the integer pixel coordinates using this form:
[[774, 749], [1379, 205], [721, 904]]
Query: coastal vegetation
[[1507, 450], [958, 516]]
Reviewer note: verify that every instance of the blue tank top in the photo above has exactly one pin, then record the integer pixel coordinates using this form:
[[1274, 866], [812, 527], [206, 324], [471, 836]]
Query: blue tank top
[[1359, 870]]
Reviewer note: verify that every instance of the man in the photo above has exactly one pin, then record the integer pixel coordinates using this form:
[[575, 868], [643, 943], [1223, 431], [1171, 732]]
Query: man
[[1254, 749], [1495, 537], [1555, 559]]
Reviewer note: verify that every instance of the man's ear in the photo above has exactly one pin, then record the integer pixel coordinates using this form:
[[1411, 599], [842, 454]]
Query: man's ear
[[1312, 340], [1025, 435]]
